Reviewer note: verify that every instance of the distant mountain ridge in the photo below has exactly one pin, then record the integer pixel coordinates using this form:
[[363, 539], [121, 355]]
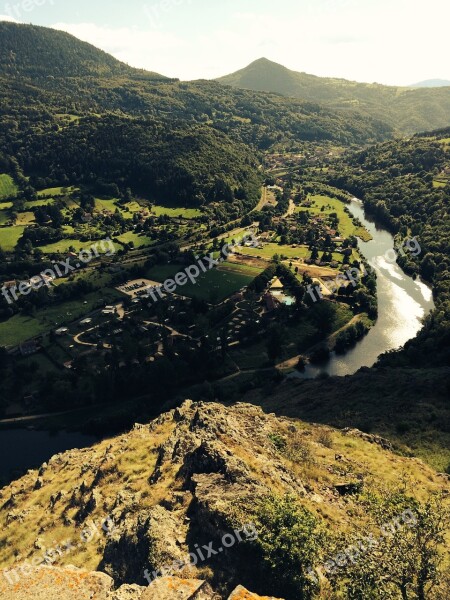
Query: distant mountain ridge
[[409, 110], [431, 83]]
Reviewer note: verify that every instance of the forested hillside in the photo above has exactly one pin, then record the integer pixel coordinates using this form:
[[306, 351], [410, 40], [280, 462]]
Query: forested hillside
[[29, 51], [191, 165], [83, 80], [407, 110]]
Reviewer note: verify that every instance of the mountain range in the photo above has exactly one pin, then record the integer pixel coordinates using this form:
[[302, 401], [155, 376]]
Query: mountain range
[[408, 110]]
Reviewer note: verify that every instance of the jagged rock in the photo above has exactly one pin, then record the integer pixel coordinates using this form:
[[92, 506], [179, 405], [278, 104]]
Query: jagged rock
[[173, 588], [150, 538], [127, 592], [39, 483], [50, 583], [241, 593], [369, 437], [349, 489], [93, 502]]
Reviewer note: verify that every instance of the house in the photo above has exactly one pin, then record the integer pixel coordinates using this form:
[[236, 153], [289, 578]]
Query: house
[[277, 285], [86, 322]]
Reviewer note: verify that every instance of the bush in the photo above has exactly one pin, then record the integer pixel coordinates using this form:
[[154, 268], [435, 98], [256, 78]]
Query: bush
[[289, 543]]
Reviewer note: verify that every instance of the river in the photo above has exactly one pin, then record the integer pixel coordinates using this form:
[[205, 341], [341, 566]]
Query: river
[[402, 305]]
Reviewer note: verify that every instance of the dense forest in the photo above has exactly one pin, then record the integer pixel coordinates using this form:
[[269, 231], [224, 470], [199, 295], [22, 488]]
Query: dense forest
[[192, 165]]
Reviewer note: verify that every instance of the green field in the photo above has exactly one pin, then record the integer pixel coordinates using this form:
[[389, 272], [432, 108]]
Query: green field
[[4, 218], [9, 236], [56, 191], [249, 270], [270, 250], [7, 187], [185, 213], [137, 240], [34, 203], [25, 218], [63, 246], [101, 205], [214, 286], [332, 205]]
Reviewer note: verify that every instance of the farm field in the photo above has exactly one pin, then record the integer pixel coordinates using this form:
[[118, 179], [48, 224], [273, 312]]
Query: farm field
[[7, 186], [332, 205], [25, 218], [214, 286], [35, 203], [9, 236], [269, 251], [57, 191], [175, 212], [137, 240]]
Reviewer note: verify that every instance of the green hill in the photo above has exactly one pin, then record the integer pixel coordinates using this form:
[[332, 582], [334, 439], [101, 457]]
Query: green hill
[[34, 52], [409, 110]]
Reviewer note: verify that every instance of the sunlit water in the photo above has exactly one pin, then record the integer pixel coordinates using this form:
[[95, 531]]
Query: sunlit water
[[402, 304]]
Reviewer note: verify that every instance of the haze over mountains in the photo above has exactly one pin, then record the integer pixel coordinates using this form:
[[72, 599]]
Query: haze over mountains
[[430, 83], [409, 110]]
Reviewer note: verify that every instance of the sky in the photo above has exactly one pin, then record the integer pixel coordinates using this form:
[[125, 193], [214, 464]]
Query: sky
[[395, 42]]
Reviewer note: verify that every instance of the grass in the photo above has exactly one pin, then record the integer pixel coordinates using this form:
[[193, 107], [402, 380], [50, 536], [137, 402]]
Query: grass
[[271, 249], [9, 236], [332, 205], [25, 218], [56, 191], [63, 246], [137, 240], [412, 409], [185, 213], [34, 203], [4, 217], [7, 187], [101, 205], [214, 286], [242, 269]]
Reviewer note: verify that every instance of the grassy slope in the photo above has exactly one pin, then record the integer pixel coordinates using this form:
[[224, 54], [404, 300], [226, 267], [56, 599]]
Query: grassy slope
[[7, 187], [410, 408]]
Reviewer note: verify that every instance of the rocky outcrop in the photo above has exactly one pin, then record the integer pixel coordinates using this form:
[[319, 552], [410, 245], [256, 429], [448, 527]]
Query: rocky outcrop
[[50, 583], [174, 487]]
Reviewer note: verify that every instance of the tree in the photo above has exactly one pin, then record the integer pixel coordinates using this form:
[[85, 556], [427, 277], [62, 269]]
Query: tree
[[404, 560], [274, 343], [289, 541]]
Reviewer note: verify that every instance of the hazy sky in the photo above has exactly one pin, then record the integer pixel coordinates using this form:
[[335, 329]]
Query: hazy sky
[[388, 41]]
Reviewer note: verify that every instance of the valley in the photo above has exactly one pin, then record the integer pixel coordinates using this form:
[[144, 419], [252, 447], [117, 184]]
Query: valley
[[222, 302]]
